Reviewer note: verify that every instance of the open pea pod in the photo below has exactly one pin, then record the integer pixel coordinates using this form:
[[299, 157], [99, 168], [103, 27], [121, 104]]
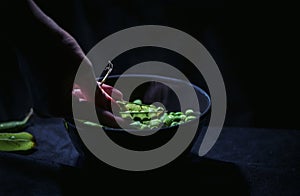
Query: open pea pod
[[16, 141]]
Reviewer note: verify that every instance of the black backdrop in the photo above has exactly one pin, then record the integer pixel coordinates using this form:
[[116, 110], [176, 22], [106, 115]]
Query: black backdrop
[[254, 47]]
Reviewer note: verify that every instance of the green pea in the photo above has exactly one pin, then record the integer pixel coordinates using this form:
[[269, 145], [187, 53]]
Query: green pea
[[189, 118], [138, 101], [163, 117], [144, 126], [182, 117], [189, 112], [152, 110], [152, 106], [144, 108], [152, 115], [125, 115], [155, 122], [136, 124], [133, 107], [171, 116], [160, 109], [174, 124], [176, 118], [178, 113], [168, 120]]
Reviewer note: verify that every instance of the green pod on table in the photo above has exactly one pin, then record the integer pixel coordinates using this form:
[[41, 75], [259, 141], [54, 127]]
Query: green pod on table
[[16, 141], [15, 125], [16, 145], [20, 135]]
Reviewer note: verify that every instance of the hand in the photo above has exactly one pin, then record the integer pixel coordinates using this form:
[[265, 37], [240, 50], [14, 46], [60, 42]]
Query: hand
[[52, 57], [105, 98]]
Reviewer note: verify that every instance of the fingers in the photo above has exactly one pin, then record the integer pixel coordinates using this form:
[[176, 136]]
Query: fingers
[[106, 118], [78, 93], [103, 100], [106, 96], [112, 92]]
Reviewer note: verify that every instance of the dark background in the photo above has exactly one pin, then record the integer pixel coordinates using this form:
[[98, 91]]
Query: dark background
[[255, 47]]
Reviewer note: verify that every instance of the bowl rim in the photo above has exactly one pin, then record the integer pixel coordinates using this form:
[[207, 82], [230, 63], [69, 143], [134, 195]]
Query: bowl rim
[[201, 116]]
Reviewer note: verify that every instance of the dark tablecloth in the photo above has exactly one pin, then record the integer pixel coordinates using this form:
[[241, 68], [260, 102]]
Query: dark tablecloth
[[244, 161]]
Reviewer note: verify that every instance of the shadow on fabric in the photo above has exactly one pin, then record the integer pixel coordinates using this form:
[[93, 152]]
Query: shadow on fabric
[[199, 175]]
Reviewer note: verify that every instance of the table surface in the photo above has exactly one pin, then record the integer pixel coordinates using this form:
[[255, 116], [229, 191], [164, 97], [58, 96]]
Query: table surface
[[244, 161]]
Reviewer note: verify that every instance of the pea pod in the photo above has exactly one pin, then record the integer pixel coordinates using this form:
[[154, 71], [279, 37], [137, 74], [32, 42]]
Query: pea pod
[[89, 123], [16, 125], [16, 145], [16, 136], [16, 141]]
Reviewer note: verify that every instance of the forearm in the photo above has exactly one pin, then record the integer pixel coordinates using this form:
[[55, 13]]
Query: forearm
[[50, 53]]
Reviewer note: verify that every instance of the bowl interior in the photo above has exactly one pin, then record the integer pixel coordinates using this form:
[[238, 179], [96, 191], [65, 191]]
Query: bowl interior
[[150, 92], [159, 89]]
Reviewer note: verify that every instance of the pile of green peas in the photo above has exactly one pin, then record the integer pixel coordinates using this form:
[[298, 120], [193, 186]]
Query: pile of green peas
[[153, 117]]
